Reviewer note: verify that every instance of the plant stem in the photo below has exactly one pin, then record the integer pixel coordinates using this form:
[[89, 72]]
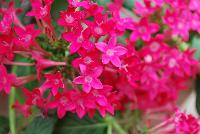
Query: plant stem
[[12, 111], [119, 129], [12, 119], [109, 131]]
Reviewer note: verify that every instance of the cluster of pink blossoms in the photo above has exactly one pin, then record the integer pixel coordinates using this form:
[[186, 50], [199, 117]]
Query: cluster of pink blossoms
[[110, 73], [179, 123]]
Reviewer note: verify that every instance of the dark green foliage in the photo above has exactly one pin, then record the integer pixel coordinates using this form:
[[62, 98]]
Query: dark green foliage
[[71, 124], [4, 125], [41, 125]]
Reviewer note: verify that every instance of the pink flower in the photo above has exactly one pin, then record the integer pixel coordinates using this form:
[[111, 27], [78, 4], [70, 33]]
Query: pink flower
[[70, 17], [111, 52], [186, 124], [89, 78], [34, 97], [63, 102], [89, 59], [26, 37], [144, 29], [39, 10], [146, 8], [6, 80], [53, 81], [9, 17], [24, 109], [194, 5], [195, 22], [79, 38], [101, 25]]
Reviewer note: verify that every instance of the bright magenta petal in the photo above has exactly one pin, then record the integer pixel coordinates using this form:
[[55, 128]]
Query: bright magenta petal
[[101, 46]]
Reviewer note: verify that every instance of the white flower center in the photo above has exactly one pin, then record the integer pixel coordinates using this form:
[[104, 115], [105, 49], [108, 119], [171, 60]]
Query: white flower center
[[69, 19], [27, 37], [43, 11], [63, 100], [154, 46], [56, 81], [172, 63], [88, 79], [87, 60], [148, 58], [80, 39], [142, 29], [110, 52], [98, 30]]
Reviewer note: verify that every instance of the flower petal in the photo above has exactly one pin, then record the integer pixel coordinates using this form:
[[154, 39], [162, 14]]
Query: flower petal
[[101, 46], [120, 50], [105, 59], [96, 84], [74, 47], [86, 88], [79, 80], [116, 61]]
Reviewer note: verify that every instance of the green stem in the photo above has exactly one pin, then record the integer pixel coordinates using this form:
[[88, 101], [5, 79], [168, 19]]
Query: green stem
[[12, 119], [119, 129], [109, 131], [113, 123]]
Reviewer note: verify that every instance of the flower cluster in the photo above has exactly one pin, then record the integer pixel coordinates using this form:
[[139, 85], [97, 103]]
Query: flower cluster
[[112, 62], [178, 124]]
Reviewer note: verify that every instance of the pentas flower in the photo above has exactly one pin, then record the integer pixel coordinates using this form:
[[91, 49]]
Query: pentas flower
[[111, 51], [193, 5], [89, 78], [181, 28], [195, 22], [83, 103], [9, 17], [63, 102], [34, 97], [26, 36], [5, 23], [89, 59], [24, 109], [179, 123], [186, 124], [179, 4], [101, 25], [77, 3], [70, 17], [78, 38], [170, 18], [143, 30], [146, 8], [179, 63], [39, 10], [53, 81], [102, 100], [6, 80]]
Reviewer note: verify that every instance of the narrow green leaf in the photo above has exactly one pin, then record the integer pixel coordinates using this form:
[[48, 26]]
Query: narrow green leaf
[[41, 125], [71, 124]]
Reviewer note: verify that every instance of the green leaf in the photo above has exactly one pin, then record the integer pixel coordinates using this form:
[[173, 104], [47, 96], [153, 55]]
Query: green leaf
[[196, 45], [129, 4], [4, 126], [71, 124], [197, 88], [41, 125]]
